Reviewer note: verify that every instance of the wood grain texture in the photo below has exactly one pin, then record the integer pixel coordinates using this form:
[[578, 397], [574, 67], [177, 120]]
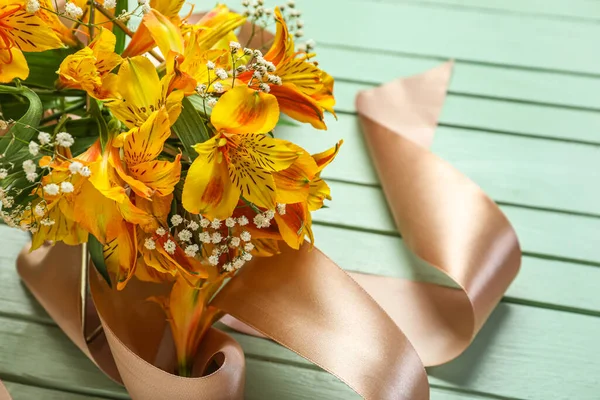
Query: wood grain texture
[[499, 39], [497, 115], [511, 169], [581, 10], [371, 66]]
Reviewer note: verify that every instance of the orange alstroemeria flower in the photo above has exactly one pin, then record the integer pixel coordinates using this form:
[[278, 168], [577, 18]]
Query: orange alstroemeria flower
[[146, 175], [89, 68], [21, 31], [139, 92], [159, 27], [234, 163], [305, 91], [51, 19]]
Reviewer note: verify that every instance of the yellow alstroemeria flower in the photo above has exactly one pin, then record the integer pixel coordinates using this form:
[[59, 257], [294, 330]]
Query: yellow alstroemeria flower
[[89, 68], [51, 19], [294, 224], [305, 91], [21, 31], [234, 163], [140, 92], [146, 175], [159, 27]]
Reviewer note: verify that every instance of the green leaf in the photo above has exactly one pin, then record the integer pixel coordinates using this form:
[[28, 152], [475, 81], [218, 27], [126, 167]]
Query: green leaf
[[120, 35], [23, 130], [95, 248], [102, 125], [190, 128], [43, 65]]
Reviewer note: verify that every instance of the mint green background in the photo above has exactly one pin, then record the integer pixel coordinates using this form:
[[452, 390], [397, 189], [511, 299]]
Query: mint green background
[[521, 120]]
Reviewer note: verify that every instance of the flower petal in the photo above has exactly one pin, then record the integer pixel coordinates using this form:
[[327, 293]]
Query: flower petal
[[208, 189], [283, 45], [120, 255], [244, 110], [28, 31], [298, 105], [12, 65], [146, 143], [166, 35], [160, 176]]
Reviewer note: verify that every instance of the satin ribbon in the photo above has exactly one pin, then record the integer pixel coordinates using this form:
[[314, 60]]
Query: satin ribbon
[[376, 335]]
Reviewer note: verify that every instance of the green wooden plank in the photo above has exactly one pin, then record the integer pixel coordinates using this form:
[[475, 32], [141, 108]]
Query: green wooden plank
[[521, 352], [545, 233], [513, 169], [578, 9], [484, 38], [43, 355], [500, 115], [377, 67], [25, 392]]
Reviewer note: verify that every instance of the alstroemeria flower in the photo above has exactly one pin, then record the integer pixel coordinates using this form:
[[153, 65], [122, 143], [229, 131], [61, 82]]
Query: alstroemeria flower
[[51, 19], [21, 31], [88, 69], [146, 175], [305, 91], [294, 222], [159, 27], [140, 92], [234, 163]]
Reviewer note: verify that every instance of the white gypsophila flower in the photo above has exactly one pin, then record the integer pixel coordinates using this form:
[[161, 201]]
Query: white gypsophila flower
[[3, 173], [143, 2], [248, 52], [281, 209], [200, 89], [299, 24], [275, 80], [64, 139], [192, 250], [241, 68], [150, 244], [246, 256], [212, 102], [44, 138], [242, 221], [245, 236], [238, 263], [210, 65], [264, 87], [213, 260], [270, 66], [185, 235], [170, 246], [218, 87], [34, 148], [110, 4], [228, 267], [299, 33], [215, 224], [161, 231], [75, 167], [248, 247], [261, 221], [193, 225], [270, 214], [221, 73], [29, 166], [230, 222], [67, 187], [234, 47], [32, 6], [310, 44], [204, 237], [47, 222], [85, 172], [39, 210], [31, 176], [216, 252], [257, 75], [51, 189], [302, 48], [291, 3], [146, 8], [216, 237], [204, 223], [8, 202], [268, 11], [3, 125], [73, 11], [234, 242], [257, 54], [176, 220]]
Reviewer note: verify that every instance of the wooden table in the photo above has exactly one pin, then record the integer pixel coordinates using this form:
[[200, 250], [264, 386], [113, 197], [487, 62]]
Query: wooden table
[[521, 120]]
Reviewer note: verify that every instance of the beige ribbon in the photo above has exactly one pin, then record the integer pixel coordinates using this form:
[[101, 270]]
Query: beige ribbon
[[305, 302]]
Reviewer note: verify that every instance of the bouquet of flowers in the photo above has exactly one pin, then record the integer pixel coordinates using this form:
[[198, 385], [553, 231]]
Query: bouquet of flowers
[[160, 154]]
